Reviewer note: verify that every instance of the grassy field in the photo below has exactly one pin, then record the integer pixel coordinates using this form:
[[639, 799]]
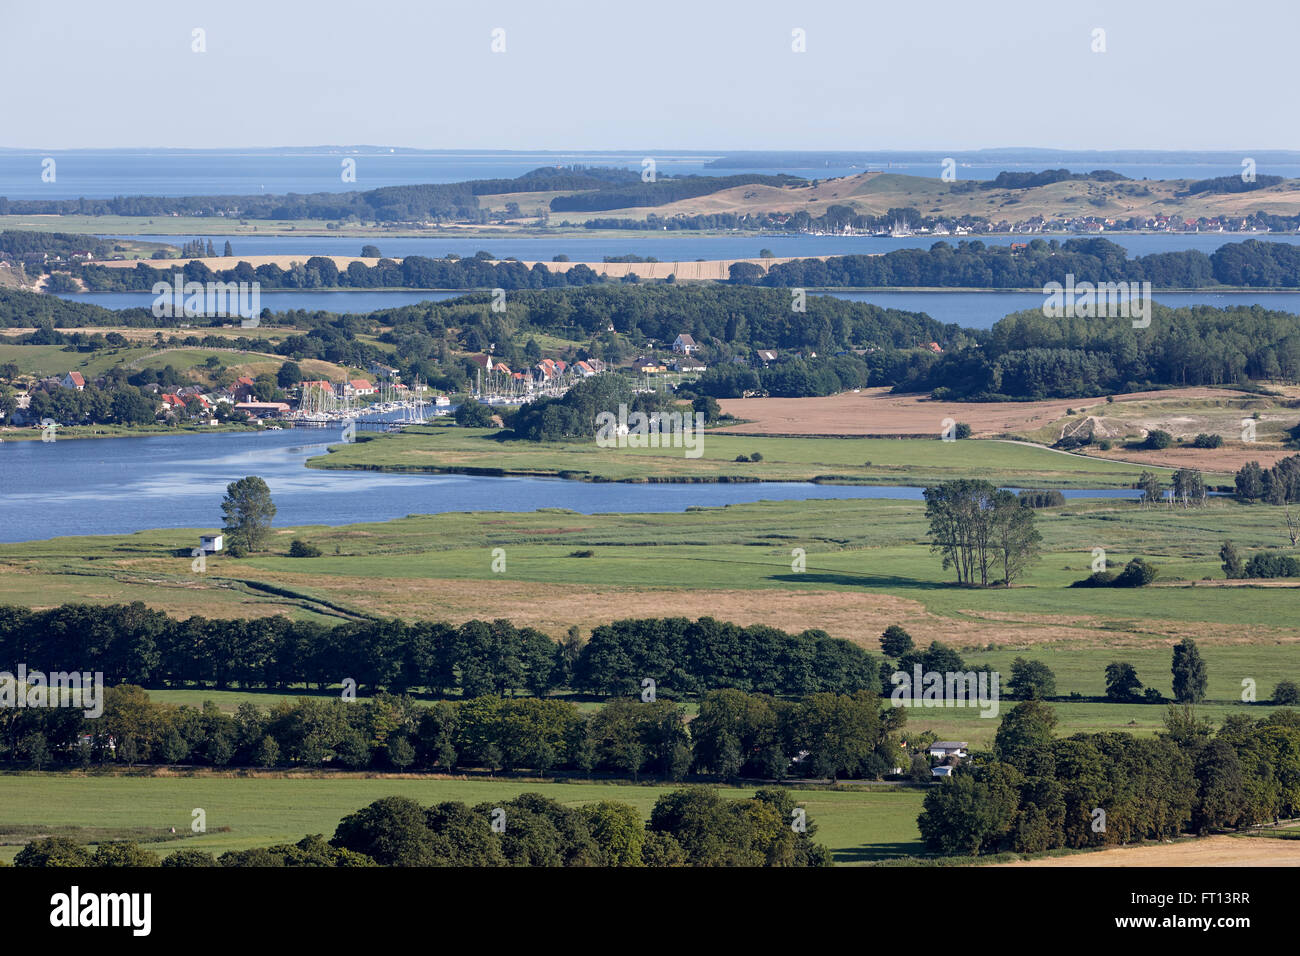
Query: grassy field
[[44, 360], [859, 824], [867, 460], [867, 567]]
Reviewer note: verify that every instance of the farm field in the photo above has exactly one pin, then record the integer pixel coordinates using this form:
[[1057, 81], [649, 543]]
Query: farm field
[[1210, 851], [1183, 412], [867, 567], [874, 461], [859, 824]]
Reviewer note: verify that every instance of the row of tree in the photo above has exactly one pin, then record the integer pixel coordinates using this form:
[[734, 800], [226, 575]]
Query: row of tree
[[133, 644], [737, 734], [972, 264]]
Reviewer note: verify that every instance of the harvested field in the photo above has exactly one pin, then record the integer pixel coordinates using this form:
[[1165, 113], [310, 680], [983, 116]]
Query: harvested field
[[1210, 851], [875, 411]]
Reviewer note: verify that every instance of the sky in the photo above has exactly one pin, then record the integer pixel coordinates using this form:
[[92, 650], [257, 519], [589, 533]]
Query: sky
[[667, 74]]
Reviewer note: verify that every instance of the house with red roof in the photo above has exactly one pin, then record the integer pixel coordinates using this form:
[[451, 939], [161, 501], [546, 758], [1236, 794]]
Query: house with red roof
[[73, 380]]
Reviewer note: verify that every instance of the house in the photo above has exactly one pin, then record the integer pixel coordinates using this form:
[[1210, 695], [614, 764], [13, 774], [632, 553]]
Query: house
[[934, 347], [211, 543], [263, 409], [382, 371], [765, 357], [941, 771], [948, 748], [171, 400], [583, 369], [73, 380], [685, 344], [687, 367], [359, 386]]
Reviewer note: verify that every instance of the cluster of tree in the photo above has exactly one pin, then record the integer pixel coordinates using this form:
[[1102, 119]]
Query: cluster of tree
[[1029, 356], [1049, 498], [133, 644], [320, 272], [1232, 184], [1262, 564], [1190, 677], [986, 533], [1035, 792], [1278, 485], [690, 826], [115, 405], [31, 247], [794, 377], [62, 851], [971, 263], [1028, 180], [573, 414]]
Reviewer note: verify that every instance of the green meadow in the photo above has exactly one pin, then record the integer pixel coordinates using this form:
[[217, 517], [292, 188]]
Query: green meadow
[[877, 461], [860, 824]]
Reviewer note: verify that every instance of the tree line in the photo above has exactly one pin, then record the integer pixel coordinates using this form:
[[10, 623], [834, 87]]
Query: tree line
[[973, 264], [131, 643], [823, 735]]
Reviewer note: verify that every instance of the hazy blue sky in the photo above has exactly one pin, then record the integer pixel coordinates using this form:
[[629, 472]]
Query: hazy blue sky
[[665, 74]]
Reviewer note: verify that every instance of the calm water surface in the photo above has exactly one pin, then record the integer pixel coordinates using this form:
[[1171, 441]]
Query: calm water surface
[[121, 485]]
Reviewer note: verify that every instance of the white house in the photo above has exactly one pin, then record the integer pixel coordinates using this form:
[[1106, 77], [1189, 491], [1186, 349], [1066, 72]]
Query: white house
[[948, 748], [211, 543], [73, 380], [941, 772], [684, 343]]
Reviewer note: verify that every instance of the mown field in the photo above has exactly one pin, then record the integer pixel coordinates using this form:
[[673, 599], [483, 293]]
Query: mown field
[[866, 460], [859, 824]]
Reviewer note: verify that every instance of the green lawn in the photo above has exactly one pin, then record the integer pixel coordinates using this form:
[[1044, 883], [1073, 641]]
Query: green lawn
[[859, 824]]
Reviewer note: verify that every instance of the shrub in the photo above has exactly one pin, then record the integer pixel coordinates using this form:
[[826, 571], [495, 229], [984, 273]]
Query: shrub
[[1158, 439], [585, 553], [1104, 445], [1098, 579], [1204, 440], [1286, 693], [301, 549], [1153, 696], [1272, 566], [962, 431], [756, 456], [1136, 574]]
